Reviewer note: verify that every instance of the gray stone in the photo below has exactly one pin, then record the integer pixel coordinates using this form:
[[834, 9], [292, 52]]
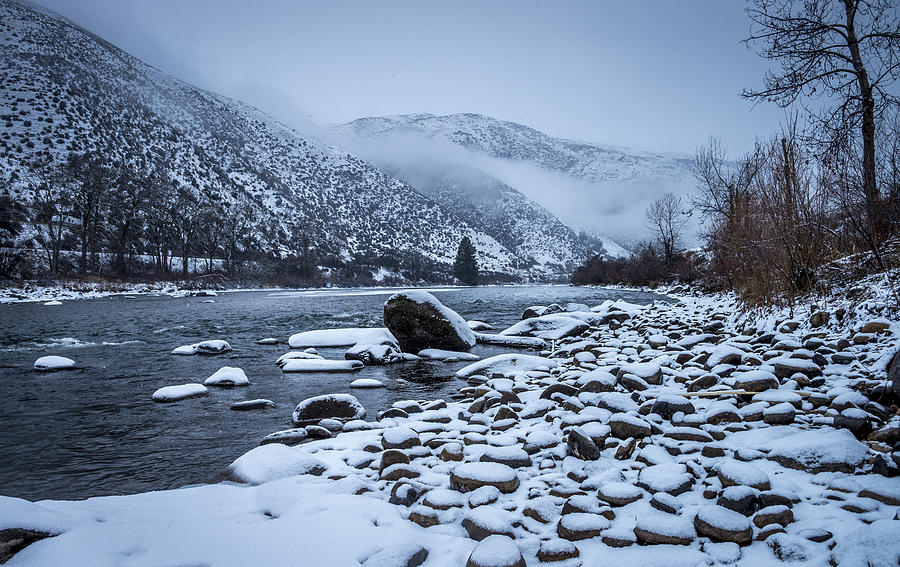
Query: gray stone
[[419, 321], [581, 445], [338, 406], [721, 524]]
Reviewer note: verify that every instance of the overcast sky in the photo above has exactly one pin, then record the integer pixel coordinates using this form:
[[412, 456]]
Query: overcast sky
[[657, 75]]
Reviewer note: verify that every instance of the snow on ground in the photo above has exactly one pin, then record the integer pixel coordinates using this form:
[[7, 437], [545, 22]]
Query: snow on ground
[[329, 338], [616, 447]]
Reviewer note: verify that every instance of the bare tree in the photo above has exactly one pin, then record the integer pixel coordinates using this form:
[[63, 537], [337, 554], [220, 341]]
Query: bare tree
[[128, 205], [52, 209], [725, 201], [793, 236], [210, 233], [845, 52], [667, 219], [93, 179], [183, 216]]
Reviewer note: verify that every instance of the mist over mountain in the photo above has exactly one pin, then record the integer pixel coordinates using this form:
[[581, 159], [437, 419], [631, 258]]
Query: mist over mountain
[[597, 188]]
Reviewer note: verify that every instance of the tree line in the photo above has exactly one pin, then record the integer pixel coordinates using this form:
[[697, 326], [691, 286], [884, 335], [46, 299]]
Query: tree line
[[120, 220], [826, 186]]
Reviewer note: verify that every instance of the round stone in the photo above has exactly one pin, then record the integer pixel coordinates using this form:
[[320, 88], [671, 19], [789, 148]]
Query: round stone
[[620, 493], [556, 550], [722, 524], [496, 551], [469, 476], [579, 525], [624, 426]]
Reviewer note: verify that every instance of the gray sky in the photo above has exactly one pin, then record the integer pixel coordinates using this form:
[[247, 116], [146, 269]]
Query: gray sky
[[657, 75]]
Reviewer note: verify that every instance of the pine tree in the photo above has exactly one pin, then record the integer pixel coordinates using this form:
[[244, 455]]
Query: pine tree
[[465, 268]]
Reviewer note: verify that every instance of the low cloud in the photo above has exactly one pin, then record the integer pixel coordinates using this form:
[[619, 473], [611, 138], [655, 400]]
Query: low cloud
[[613, 209]]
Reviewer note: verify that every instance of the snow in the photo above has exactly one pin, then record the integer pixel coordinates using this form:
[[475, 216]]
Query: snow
[[875, 544], [620, 491], [723, 518], [720, 352], [645, 370], [377, 353], [366, 383], [273, 461], [446, 355], [506, 364], [204, 347], [485, 472], [227, 376], [180, 392], [549, 327], [819, 450], [479, 325], [580, 521], [327, 338], [397, 436], [25, 515], [320, 365], [325, 503], [286, 436], [48, 363], [53, 302], [296, 354], [665, 478], [734, 472], [495, 551], [666, 524], [502, 340]]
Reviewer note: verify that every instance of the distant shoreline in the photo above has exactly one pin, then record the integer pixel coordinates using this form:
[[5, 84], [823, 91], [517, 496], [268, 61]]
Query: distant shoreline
[[83, 290]]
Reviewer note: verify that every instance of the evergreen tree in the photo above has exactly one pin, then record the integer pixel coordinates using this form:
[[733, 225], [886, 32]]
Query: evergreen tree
[[465, 268]]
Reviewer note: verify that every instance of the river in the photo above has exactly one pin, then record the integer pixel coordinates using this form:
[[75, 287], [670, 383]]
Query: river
[[94, 430]]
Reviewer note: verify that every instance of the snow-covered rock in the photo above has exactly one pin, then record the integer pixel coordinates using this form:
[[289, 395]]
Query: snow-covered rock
[[204, 347], [320, 365], [337, 406], [273, 461], [52, 362], [420, 321], [446, 355], [366, 383], [227, 377], [180, 392], [332, 338], [817, 451], [507, 364]]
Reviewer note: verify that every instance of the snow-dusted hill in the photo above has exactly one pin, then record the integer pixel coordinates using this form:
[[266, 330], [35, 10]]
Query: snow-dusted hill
[[601, 188], [64, 90]]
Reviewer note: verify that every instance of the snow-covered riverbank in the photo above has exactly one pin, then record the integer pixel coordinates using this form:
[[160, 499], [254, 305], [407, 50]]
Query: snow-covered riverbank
[[670, 434]]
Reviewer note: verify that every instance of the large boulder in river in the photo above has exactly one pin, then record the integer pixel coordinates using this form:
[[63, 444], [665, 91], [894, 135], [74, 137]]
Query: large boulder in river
[[419, 321], [335, 406]]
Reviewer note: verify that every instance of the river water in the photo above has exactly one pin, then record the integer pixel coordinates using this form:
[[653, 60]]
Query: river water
[[94, 430]]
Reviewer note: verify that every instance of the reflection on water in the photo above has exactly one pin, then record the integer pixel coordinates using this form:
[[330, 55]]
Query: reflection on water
[[94, 430]]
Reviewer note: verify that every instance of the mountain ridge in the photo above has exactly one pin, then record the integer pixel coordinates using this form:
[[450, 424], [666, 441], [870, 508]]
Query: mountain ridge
[[67, 90]]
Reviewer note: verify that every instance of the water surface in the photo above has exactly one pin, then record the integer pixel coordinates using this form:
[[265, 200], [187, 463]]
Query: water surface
[[94, 430]]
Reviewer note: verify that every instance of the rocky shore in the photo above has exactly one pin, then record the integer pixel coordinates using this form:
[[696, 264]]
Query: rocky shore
[[679, 433]]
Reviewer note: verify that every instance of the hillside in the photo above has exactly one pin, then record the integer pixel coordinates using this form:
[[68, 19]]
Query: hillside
[[598, 189], [65, 92]]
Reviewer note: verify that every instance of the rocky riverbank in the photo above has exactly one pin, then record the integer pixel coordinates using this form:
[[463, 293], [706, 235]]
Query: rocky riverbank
[[684, 433]]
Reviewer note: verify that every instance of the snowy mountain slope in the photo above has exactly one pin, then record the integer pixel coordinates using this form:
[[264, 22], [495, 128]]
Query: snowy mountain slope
[[521, 225], [598, 188], [64, 90]]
